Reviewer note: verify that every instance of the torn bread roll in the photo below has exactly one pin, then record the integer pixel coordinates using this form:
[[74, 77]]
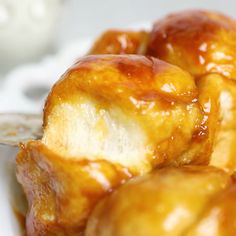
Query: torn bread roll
[[108, 118], [134, 111]]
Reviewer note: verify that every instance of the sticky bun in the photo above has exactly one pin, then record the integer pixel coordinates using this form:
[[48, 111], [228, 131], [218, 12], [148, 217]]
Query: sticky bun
[[111, 118]]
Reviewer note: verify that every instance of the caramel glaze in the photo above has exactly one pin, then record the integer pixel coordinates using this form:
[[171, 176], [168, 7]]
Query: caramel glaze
[[166, 202], [146, 78], [199, 41], [61, 193], [220, 212], [149, 90], [121, 42], [120, 78]]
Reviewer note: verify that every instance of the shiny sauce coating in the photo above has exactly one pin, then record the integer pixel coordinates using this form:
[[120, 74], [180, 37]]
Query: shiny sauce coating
[[199, 41]]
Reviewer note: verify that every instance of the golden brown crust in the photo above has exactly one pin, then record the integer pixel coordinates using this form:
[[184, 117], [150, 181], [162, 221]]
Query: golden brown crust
[[121, 42], [118, 77], [199, 41]]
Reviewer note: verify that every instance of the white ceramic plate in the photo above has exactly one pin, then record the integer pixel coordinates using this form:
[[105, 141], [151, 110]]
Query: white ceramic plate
[[13, 204]]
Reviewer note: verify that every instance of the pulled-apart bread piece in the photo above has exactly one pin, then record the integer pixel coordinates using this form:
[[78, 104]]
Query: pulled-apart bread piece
[[134, 111], [121, 42], [166, 202], [109, 117], [61, 192], [204, 43]]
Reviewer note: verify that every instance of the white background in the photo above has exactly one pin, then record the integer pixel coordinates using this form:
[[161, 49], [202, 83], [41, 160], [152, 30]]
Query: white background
[[82, 18]]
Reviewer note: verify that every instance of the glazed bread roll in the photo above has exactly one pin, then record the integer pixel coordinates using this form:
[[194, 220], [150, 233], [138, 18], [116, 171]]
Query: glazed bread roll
[[108, 118], [200, 42], [184, 201], [204, 43], [121, 42]]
